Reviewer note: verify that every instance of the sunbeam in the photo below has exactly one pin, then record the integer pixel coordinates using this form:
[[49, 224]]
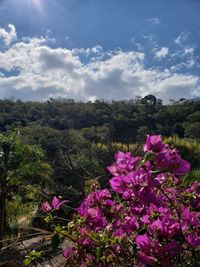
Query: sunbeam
[[37, 3]]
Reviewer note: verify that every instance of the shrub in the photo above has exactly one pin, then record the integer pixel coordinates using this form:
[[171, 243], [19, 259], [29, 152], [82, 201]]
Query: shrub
[[146, 218]]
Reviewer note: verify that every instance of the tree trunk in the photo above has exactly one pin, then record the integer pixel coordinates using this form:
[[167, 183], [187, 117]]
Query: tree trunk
[[2, 209]]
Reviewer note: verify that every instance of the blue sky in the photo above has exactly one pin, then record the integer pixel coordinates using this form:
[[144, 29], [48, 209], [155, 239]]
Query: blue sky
[[90, 49]]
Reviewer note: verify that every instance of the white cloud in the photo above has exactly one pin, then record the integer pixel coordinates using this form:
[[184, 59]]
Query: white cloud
[[44, 72], [136, 44], [183, 58], [154, 20], [162, 53], [189, 50], [88, 51], [8, 36], [181, 38]]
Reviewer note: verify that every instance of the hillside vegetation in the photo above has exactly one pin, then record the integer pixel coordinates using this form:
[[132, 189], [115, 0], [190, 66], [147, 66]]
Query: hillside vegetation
[[121, 121]]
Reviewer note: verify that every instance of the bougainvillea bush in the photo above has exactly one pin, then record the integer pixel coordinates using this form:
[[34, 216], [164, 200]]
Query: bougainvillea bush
[[145, 218]]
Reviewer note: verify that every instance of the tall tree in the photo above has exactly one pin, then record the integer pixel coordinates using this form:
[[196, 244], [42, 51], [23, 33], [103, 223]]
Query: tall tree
[[19, 164]]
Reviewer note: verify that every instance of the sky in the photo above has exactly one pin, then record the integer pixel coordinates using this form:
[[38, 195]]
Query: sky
[[99, 49]]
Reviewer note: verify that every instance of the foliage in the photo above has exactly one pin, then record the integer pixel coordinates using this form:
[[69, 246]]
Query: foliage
[[192, 176], [104, 121], [189, 149], [17, 207], [146, 218], [20, 165], [33, 256]]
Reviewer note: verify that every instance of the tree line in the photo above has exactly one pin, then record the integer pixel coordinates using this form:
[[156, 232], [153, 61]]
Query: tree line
[[120, 121]]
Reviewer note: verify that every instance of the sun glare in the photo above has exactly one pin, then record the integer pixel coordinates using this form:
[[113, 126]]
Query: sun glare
[[37, 3]]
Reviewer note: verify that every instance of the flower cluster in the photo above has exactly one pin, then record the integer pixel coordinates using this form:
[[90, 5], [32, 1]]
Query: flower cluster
[[146, 218], [55, 204]]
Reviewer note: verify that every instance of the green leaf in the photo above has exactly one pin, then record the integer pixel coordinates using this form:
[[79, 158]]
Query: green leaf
[[49, 218], [98, 250], [27, 261], [149, 156], [58, 229], [55, 241]]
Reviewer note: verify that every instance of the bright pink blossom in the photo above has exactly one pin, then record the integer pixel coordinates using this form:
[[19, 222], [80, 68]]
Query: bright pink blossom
[[56, 203], [95, 218], [143, 242], [124, 163], [171, 161], [154, 143], [68, 252], [46, 207], [194, 240]]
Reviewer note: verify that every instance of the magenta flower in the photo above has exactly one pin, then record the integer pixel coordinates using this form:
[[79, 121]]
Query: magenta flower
[[140, 177], [68, 252], [95, 218], [143, 242], [147, 260], [104, 194], [113, 169], [46, 207], [171, 160], [162, 160], [194, 240], [118, 184], [154, 143], [182, 168], [157, 226], [124, 163], [145, 219], [159, 179], [127, 195], [56, 203]]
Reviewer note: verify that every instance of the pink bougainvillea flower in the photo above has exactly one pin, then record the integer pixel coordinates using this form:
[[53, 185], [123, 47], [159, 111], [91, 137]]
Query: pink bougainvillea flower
[[143, 242], [118, 184], [171, 160], [171, 247], [46, 207], [104, 194], [113, 170], [127, 195], [68, 252], [162, 160], [124, 163], [147, 260], [182, 168], [194, 240], [157, 226], [140, 177], [154, 143], [158, 180], [95, 218], [56, 203]]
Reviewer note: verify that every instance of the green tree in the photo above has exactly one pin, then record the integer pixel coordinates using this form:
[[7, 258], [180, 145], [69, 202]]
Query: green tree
[[193, 130], [20, 164]]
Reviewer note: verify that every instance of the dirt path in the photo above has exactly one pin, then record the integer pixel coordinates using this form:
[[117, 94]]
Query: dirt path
[[25, 219], [14, 255]]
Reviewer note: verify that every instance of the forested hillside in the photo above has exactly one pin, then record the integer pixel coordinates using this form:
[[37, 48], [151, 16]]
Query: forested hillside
[[124, 121]]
